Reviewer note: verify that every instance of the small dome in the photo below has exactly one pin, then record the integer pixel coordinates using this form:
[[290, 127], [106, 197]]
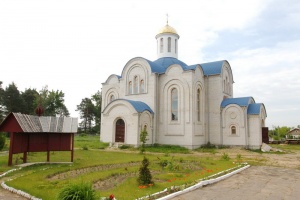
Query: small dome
[[167, 29]]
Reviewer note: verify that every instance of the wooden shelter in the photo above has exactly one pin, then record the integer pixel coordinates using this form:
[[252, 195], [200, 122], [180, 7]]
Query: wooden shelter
[[30, 133]]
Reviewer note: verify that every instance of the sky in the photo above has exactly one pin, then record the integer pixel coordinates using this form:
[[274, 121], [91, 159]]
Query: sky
[[74, 46]]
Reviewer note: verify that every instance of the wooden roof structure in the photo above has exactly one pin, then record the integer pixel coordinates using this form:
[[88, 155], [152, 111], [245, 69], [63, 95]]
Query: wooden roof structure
[[30, 133]]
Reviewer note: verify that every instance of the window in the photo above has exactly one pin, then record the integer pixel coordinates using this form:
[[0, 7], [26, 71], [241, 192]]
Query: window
[[198, 105], [136, 86], [145, 127], [161, 45], [175, 45], [174, 104], [142, 86], [233, 130], [112, 97], [130, 87], [169, 44]]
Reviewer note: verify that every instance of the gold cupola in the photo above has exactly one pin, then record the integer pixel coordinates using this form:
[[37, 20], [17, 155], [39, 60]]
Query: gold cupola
[[167, 42]]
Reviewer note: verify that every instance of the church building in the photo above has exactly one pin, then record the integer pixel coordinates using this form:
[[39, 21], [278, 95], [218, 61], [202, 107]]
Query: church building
[[177, 103]]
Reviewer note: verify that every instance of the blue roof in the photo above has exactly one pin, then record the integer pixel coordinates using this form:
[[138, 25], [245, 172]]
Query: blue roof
[[165, 62], [139, 106], [241, 101], [212, 68], [254, 109]]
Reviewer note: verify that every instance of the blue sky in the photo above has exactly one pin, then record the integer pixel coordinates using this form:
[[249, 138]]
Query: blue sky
[[74, 45]]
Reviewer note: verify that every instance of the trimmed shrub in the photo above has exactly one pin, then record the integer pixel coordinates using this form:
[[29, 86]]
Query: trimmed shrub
[[145, 176]]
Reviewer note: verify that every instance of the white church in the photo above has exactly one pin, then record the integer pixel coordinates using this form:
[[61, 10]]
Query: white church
[[177, 103]]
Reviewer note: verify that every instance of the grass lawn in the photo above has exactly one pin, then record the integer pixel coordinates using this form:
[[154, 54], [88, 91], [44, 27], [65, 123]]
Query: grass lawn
[[112, 172]]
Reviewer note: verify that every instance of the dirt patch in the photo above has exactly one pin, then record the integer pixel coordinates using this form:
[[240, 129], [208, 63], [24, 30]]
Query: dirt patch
[[112, 182], [77, 172]]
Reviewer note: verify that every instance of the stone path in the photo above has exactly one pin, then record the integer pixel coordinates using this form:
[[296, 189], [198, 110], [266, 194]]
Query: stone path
[[256, 182], [6, 195]]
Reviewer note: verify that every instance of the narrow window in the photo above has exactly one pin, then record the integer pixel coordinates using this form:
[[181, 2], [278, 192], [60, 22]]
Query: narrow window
[[142, 86], [130, 87], [198, 105], [161, 45], [112, 97], [136, 86], [174, 104], [226, 87], [145, 127], [169, 44], [175, 45], [233, 130]]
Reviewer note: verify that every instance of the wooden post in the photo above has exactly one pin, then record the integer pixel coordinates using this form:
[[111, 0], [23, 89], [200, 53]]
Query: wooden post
[[72, 148], [48, 152], [11, 149], [24, 157]]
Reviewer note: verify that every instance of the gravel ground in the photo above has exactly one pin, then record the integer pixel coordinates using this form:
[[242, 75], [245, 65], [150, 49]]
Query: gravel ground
[[256, 182]]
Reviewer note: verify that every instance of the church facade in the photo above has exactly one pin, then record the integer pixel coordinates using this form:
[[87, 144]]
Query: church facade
[[178, 104]]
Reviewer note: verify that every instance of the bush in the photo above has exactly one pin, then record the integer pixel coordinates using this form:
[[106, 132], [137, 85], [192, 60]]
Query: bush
[[145, 176], [2, 141], [83, 191]]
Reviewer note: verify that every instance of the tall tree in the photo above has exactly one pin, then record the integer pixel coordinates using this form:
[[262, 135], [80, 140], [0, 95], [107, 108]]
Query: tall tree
[[12, 99], [29, 97], [52, 102], [2, 107], [96, 98], [86, 110]]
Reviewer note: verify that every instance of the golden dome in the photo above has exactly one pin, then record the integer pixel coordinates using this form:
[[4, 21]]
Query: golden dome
[[167, 29]]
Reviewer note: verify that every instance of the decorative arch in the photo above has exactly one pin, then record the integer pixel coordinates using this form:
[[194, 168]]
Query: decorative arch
[[112, 92], [134, 73]]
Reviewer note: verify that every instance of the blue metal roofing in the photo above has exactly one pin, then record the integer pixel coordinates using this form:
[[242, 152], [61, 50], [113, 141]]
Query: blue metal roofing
[[254, 109], [165, 62], [212, 68], [241, 101], [139, 106]]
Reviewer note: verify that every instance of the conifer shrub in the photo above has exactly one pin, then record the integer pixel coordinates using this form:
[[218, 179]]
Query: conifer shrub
[[145, 176]]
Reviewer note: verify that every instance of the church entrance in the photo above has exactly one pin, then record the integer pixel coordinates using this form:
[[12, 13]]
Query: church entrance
[[120, 130]]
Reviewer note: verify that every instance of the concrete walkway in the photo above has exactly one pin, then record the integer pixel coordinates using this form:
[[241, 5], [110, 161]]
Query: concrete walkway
[[257, 182]]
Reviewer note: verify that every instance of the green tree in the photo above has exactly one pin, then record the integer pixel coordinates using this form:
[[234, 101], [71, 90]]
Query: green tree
[[279, 133], [143, 140], [87, 113], [29, 97], [2, 107], [52, 102], [145, 176], [96, 99], [12, 99]]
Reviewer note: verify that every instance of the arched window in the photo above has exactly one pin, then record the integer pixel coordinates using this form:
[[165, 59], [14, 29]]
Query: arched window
[[111, 98], [198, 105], [175, 45], [142, 86], [174, 104], [233, 130], [145, 127], [130, 87], [136, 86], [226, 87], [161, 45], [169, 44]]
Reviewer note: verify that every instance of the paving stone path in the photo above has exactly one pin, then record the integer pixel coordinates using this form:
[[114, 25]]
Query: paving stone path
[[256, 182]]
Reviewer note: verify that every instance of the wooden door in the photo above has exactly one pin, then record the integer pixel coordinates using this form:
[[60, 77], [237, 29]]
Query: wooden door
[[265, 135], [120, 131]]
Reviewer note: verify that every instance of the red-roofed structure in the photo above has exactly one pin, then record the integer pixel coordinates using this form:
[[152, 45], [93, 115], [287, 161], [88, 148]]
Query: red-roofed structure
[[30, 133]]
